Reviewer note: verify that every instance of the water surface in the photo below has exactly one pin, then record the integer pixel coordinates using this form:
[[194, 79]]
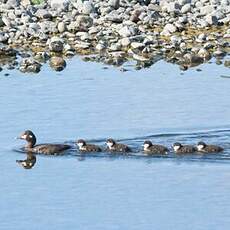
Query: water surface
[[86, 101]]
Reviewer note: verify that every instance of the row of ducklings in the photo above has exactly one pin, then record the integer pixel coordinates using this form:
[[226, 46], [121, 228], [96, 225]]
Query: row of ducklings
[[148, 147]]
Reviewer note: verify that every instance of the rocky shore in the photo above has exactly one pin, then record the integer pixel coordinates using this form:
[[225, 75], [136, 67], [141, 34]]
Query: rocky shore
[[185, 32]]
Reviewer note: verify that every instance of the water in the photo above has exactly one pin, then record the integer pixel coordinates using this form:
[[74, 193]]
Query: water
[[103, 192]]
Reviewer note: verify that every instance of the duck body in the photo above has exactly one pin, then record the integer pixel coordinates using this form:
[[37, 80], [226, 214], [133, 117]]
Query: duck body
[[183, 149], [205, 148], [112, 146], [152, 149], [47, 149], [84, 147]]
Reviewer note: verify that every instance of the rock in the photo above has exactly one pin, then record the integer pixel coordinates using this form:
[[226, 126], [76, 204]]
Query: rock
[[101, 46], [83, 23], [219, 53], [140, 58], [41, 56], [61, 27], [57, 63], [59, 4], [127, 31], [186, 8], [87, 7], [3, 37], [7, 52], [25, 3], [205, 10], [137, 45], [169, 29], [6, 21], [211, 20], [183, 2], [42, 13], [114, 3], [173, 7], [203, 53], [12, 3], [56, 44], [192, 59], [29, 65], [125, 42], [227, 63]]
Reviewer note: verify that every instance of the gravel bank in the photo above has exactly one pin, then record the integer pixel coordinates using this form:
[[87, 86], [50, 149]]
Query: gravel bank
[[185, 32]]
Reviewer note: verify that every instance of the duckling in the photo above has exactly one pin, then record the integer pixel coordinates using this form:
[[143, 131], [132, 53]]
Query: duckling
[[83, 147], [151, 149], [47, 149], [112, 146], [183, 149], [204, 148]]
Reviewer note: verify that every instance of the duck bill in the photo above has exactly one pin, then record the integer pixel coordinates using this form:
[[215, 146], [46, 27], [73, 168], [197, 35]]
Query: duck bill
[[22, 137]]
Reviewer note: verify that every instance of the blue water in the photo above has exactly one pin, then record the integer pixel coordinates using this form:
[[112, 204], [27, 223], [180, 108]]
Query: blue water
[[86, 101]]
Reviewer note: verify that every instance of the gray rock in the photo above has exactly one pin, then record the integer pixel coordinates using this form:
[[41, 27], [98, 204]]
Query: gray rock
[[57, 63], [173, 7], [192, 59], [13, 3], [3, 37], [59, 4], [227, 63], [127, 31], [61, 27], [42, 13], [29, 65], [7, 52], [203, 53], [87, 7], [211, 20], [56, 44], [206, 10], [6, 21], [183, 2], [114, 3], [169, 29], [83, 23], [186, 8], [125, 42]]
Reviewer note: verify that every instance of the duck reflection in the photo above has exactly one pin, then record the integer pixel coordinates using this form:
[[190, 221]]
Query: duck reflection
[[29, 162]]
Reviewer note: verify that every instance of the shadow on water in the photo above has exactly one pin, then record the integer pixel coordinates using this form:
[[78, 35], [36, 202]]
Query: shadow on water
[[219, 137]]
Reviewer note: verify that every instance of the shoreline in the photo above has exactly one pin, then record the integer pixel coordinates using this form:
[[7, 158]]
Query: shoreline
[[183, 32]]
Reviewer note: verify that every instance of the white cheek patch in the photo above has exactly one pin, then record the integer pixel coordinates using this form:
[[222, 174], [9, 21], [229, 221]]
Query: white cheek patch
[[109, 144], [146, 146], [80, 145], [200, 147], [176, 148], [30, 136]]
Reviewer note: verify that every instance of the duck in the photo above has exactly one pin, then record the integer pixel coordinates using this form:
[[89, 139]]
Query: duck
[[84, 147], [29, 162], [183, 149], [151, 149], [205, 148], [47, 149], [113, 146]]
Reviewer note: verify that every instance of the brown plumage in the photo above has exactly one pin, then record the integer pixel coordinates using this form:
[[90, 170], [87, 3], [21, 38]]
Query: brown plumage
[[112, 146], [152, 149], [83, 147], [47, 149], [204, 148]]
